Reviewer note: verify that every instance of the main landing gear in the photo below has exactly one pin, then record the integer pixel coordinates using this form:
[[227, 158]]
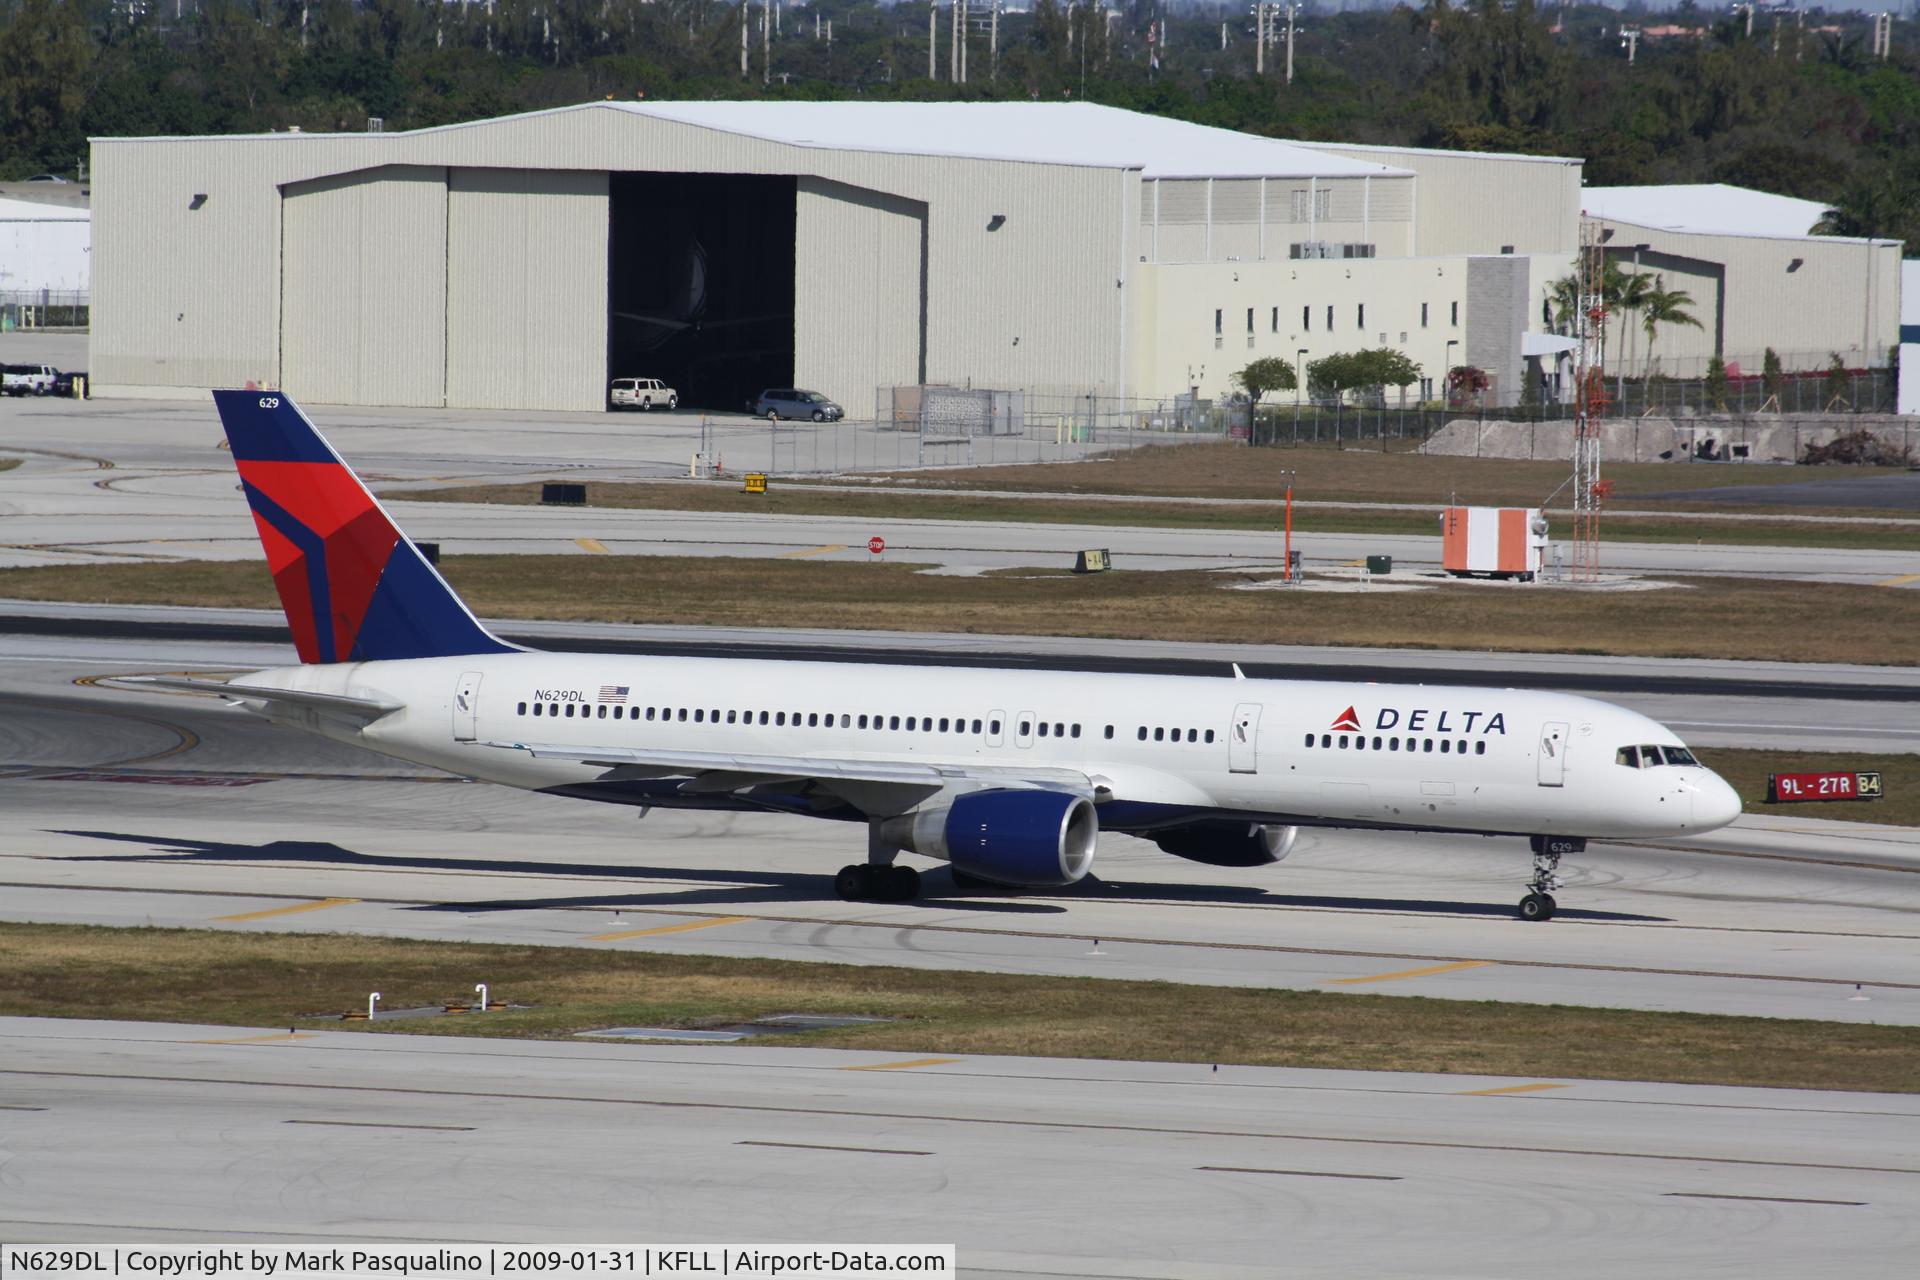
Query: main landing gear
[[857, 883], [879, 880], [1539, 903]]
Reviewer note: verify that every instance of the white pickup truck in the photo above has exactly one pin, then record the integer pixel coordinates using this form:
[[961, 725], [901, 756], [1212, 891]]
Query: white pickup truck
[[28, 379], [643, 394]]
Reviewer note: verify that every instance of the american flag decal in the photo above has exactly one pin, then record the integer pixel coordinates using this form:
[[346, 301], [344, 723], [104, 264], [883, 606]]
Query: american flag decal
[[613, 693]]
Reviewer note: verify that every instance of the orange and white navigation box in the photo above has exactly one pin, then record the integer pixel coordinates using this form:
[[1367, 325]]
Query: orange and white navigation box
[[1501, 542]]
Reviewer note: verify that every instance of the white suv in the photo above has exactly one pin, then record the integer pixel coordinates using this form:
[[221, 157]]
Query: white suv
[[643, 393]]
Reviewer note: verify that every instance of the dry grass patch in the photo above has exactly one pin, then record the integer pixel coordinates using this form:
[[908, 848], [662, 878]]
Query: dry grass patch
[[274, 979], [8, 464], [1709, 618], [1352, 475], [932, 504]]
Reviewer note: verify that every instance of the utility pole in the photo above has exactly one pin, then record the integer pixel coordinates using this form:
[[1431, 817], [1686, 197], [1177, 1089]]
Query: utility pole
[[965, 31], [953, 49], [1749, 8], [743, 39], [1882, 35], [766, 41], [933, 39], [1260, 38], [1223, 36], [1291, 10], [993, 43], [1630, 39]]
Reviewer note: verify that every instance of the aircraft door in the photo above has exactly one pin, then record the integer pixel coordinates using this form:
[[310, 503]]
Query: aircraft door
[[1023, 729], [1243, 739], [466, 707], [1553, 755]]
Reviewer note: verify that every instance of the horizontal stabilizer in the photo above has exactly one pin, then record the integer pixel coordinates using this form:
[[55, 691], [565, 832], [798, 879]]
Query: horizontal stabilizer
[[368, 709]]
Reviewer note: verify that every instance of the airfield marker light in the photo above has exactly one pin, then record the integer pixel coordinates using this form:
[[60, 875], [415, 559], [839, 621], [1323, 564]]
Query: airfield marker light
[[481, 987]]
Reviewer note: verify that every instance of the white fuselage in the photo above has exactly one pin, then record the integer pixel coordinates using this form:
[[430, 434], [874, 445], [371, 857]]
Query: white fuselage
[[1158, 749]]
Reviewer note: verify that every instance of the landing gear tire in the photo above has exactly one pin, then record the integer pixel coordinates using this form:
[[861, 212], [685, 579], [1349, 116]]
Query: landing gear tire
[[898, 884], [854, 883], [1537, 906]]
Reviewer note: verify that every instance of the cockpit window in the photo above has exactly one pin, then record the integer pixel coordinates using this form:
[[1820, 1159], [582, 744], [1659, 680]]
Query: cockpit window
[[1680, 755], [1650, 756], [1628, 756]]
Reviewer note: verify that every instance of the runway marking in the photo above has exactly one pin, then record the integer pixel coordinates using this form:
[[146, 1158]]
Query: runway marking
[[592, 546], [669, 928], [866, 1114], [1413, 973], [1708, 1195], [1900, 581], [294, 910], [1511, 1088], [903, 1066], [821, 1146], [813, 551], [268, 1039], [1299, 1173], [375, 1124]]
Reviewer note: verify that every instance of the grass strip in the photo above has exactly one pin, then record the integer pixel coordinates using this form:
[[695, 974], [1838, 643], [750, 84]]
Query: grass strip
[[1708, 618], [307, 980], [931, 504], [8, 464], [1747, 771], [1371, 474]]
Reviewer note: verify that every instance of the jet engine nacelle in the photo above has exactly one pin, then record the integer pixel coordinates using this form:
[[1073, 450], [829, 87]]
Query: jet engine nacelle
[[1036, 839], [1229, 844]]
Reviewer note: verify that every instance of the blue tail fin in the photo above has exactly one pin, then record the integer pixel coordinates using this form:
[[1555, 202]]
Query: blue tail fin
[[353, 586]]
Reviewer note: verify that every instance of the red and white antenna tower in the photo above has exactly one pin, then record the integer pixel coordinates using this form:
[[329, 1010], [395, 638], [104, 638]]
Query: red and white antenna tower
[[1590, 402]]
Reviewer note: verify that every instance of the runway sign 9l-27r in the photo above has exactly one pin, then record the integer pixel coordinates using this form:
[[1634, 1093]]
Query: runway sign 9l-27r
[[1786, 788]]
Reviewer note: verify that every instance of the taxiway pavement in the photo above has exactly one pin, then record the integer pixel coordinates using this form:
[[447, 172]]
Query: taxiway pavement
[[1033, 1167]]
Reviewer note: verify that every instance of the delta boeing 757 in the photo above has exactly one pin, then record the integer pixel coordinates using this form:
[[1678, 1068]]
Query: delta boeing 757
[[1007, 775]]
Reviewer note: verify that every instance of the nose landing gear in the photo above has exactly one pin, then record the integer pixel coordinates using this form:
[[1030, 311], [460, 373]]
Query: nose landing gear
[[1539, 903]]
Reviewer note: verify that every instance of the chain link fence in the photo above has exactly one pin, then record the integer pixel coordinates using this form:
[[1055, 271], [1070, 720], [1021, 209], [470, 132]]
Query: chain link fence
[[28, 309]]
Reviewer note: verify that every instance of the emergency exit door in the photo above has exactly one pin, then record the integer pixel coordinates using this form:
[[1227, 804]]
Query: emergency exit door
[[1553, 755], [1243, 739], [466, 707]]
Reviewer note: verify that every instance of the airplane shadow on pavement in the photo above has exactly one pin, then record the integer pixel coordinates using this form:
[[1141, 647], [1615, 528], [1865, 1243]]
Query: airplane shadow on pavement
[[745, 888]]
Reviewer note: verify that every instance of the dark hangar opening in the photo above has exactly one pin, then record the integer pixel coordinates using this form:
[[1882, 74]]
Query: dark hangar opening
[[700, 283]]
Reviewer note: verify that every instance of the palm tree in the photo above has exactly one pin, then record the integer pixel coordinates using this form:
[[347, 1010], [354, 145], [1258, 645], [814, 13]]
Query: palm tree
[[1664, 306], [1629, 292]]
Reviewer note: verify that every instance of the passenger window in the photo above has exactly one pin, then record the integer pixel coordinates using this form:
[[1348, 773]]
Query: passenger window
[[1480, 747], [682, 716], [1059, 729], [1026, 728], [699, 715], [863, 722], [1360, 743], [536, 708], [1445, 746], [523, 709], [1428, 747], [1043, 728], [846, 721], [1109, 733], [894, 723], [911, 721], [943, 724], [1326, 740], [570, 710], [763, 717], [1159, 735], [1343, 742], [1143, 733], [1460, 748], [1393, 744], [780, 718], [1076, 731], [1210, 737], [993, 728], [976, 726], [813, 719], [1376, 744]]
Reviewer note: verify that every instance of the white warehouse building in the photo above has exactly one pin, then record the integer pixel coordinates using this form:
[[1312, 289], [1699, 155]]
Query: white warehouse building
[[1063, 249]]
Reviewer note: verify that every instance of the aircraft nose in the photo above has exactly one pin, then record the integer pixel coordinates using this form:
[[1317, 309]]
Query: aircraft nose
[[1715, 804]]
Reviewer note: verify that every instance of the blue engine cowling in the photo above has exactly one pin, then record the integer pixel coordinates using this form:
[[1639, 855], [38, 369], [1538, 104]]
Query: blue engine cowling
[[1032, 838], [1228, 844]]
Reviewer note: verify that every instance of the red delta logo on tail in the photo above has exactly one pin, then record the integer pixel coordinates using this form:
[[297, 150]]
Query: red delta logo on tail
[[354, 589], [1347, 722], [327, 546]]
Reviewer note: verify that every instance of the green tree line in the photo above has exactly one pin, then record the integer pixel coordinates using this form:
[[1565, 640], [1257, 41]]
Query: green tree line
[[1803, 112]]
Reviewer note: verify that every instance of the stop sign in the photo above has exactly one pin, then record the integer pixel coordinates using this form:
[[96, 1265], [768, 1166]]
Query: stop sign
[[876, 544]]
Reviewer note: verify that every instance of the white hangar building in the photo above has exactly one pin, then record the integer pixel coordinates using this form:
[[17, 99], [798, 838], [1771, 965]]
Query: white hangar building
[[1065, 249]]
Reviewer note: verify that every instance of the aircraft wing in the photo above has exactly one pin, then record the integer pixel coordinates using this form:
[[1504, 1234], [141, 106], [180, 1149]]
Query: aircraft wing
[[365, 710], [718, 771]]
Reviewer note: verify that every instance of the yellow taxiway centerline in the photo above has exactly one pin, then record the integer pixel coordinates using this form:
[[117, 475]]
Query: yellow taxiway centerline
[[593, 545], [1512, 1088], [668, 928], [1412, 973], [902, 1066], [276, 1036], [813, 551], [293, 910], [1900, 581]]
